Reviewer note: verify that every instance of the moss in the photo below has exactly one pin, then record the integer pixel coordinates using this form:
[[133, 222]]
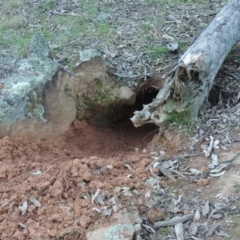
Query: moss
[[90, 103], [178, 117], [99, 97]]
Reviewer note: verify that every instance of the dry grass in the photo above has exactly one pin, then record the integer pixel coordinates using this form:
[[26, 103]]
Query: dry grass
[[12, 22]]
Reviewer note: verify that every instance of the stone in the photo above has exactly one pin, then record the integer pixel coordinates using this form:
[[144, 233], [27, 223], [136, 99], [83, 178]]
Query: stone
[[35, 101], [87, 55], [120, 232], [127, 95], [125, 222], [113, 232], [39, 46], [99, 94]]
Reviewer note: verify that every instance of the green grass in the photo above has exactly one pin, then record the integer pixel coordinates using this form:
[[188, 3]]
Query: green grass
[[235, 222], [13, 22], [163, 231], [89, 8], [168, 1], [155, 51], [62, 29], [183, 45], [71, 26], [12, 17], [12, 33], [48, 5], [11, 5], [103, 29]]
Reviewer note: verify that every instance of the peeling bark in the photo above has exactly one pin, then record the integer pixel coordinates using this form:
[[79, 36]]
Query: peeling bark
[[190, 81]]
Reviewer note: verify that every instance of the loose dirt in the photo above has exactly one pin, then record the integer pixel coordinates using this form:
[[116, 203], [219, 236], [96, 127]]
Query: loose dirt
[[71, 170]]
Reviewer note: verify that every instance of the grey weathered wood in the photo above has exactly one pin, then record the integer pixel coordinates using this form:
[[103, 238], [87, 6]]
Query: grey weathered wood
[[173, 221], [190, 81]]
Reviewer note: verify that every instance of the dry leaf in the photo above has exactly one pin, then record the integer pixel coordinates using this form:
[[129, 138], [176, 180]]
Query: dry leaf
[[22, 225], [148, 194], [96, 210], [217, 174], [34, 201], [193, 229], [179, 231], [35, 173], [24, 207], [128, 166], [196, 217], [222, 234], [81, 184], [167, 173], [106, 212], [195, 171], [96, 194], [215, 144], [115, 208], [207, 151], [216, 216], [214, 158], [205, 209]]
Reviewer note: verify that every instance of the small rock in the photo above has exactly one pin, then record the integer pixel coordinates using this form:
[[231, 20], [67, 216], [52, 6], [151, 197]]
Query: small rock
[[116, 232], [87, 55], [137, 228], [39, 46], [120, 232]]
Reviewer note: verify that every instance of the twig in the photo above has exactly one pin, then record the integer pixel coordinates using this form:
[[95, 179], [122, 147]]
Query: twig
[[122, 141], [213, 229], [67, 44], [227, 161], [200, 139], [178, 173], [208, 151], [150, 133], [47, 169], [66, 183], [5, 204], [173, 221]]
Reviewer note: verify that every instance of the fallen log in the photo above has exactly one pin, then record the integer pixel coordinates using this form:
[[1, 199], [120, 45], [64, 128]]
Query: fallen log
[[190, 81]]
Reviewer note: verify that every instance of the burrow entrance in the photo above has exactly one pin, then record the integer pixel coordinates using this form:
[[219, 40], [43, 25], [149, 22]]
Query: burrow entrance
[[119, 136]]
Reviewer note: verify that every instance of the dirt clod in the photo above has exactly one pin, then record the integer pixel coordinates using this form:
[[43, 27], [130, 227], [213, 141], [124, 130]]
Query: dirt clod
[[155, 214], [203, 182]]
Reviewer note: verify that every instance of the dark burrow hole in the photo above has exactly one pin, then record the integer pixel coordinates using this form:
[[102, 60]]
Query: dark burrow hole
[[122, 125], [117, 136], [127, 111], [221, 97], [214, 96]]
